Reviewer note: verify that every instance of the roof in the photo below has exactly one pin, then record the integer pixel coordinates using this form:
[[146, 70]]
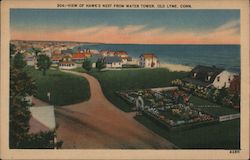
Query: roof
[[56, 57], [95, 57], [196, 82], [112, 59], [43, 116], [67, 51], [202, 72], [78, 56], [121, 53], [148, 55]]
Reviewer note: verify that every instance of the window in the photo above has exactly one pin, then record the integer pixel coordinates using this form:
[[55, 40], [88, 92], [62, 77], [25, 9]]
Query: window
[[229, 79], [218, 79]]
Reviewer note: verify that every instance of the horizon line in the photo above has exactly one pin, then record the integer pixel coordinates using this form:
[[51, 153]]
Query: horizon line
[[130, 43]]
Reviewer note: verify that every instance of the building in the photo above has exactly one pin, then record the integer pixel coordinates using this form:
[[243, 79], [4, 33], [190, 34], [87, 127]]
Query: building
[[204, 76], [55, 59], [113, 61], [149, 60], [67, 63], [78, 57]]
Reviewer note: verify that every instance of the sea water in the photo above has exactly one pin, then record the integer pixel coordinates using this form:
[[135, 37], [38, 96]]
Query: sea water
[[223, 56]]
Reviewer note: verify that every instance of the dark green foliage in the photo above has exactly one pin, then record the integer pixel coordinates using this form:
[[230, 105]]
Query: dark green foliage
[[112, 81], [87, 65], [43, 63], [64, 88], [18, 61], [12, 49], [21, 85], [42, 140], [100, 64], [36, 51]]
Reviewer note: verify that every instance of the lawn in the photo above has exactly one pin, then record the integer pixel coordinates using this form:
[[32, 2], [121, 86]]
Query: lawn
[[64, 88], [212, 108], [112, 81], [224, 135]]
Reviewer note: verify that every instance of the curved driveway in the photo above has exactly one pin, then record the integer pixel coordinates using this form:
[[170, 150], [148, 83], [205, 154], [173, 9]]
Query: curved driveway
[[97, 123]]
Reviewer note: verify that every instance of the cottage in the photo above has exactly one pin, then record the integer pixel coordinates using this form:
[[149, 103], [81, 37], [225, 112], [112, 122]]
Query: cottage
[[55, 59], [124, 56], [113, 62], [67, 63], [205, 76], [149, 60]]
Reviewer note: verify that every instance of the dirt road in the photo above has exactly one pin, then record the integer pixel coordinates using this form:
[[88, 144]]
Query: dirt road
[[98, 124]]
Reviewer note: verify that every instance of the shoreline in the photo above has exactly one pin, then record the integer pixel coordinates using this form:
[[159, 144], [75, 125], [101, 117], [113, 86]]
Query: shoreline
[[176, 67]]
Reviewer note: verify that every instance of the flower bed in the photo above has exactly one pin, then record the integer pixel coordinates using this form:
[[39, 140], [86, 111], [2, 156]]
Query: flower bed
[[170, 107]]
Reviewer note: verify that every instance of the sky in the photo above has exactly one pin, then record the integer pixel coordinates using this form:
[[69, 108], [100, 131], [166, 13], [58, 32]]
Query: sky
[[127, 26]]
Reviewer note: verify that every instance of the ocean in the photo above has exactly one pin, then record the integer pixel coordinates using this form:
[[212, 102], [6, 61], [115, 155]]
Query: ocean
[[223, 56]]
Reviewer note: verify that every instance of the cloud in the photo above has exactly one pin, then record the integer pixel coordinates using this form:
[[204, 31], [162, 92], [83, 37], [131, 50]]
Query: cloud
[[227, 33]]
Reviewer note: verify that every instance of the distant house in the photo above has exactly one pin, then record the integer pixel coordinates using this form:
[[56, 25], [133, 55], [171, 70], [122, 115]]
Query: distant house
[[67, 63], [149, 60], [56, 59], [78, 57], [107, 53], [205, 76], [94, 58], [124, 56], [113, 62]]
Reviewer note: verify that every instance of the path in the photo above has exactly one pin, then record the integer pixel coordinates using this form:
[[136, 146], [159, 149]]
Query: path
[[97, 123]]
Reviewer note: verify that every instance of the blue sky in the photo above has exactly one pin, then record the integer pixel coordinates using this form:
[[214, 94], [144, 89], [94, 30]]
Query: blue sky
[[42, 20]]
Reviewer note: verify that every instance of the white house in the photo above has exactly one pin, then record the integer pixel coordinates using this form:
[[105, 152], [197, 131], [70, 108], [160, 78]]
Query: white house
[[149, 60], [67, 63], [206, 76], [223, 79], [113, 62]]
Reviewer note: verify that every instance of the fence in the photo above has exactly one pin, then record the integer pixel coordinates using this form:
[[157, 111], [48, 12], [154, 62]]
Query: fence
[[229, 117]]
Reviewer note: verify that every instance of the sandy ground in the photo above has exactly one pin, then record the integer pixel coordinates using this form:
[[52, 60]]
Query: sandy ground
[[176, 67], [98, 124]]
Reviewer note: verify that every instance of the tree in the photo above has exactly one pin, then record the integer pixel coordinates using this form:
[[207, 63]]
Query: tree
[[21, 86], [36, 50], [12, 50], [18, 61], [87, 65], [100, 64], [43, 63]]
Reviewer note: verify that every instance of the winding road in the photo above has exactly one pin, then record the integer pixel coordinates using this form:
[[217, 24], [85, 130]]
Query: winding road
[[98, 124]]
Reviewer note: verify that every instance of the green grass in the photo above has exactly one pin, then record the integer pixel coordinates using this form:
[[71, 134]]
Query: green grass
[[224, 135], [79, 69], [212, 108], [65, 88], [112, 81]]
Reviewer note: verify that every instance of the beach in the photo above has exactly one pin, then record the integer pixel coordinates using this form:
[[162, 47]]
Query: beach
[[176, 67]]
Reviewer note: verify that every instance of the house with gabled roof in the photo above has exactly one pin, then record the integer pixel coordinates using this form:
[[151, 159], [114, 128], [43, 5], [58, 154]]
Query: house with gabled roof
[[113, 61], [149, 60], [205, 76]]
